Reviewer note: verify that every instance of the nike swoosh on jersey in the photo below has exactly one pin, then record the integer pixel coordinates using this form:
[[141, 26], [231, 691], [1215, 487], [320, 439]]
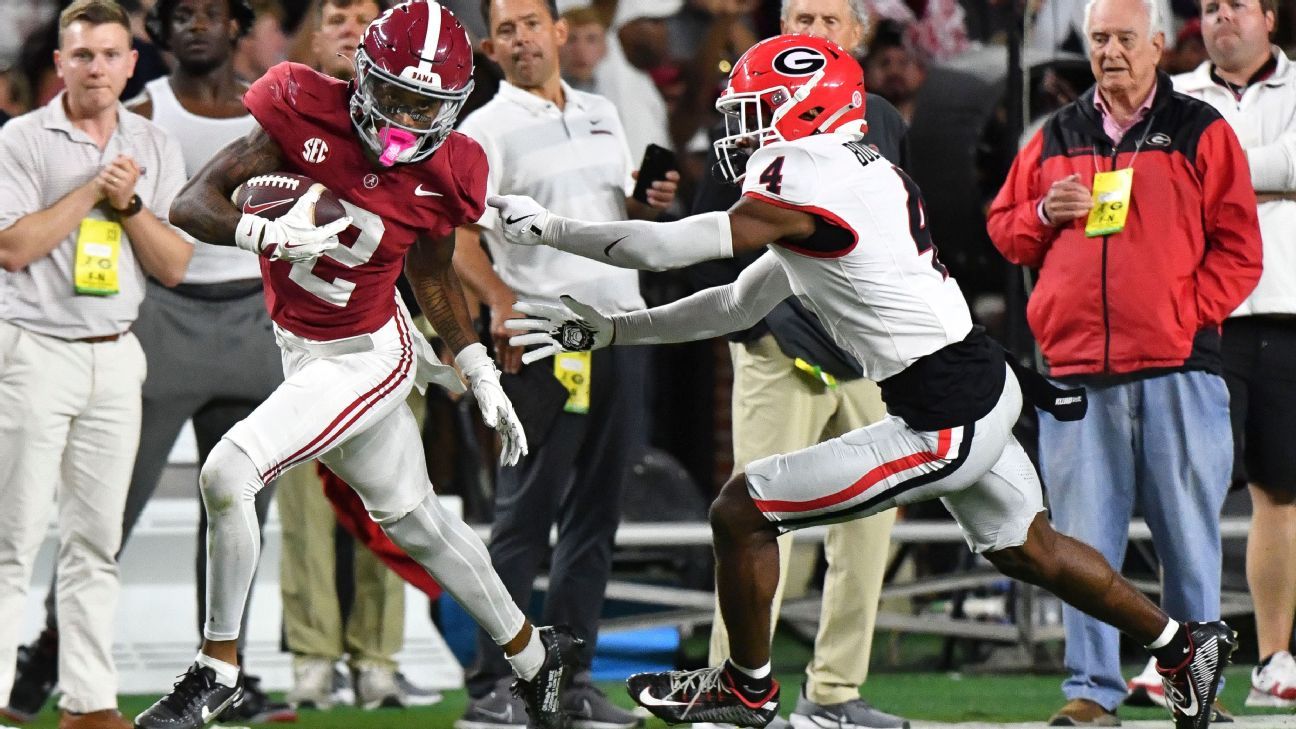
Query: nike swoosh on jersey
[[608, 251], [647, 699], [254, 209], [426, 193]]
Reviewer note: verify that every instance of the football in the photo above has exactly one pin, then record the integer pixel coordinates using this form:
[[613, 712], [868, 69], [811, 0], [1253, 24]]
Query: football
[[273, 195]]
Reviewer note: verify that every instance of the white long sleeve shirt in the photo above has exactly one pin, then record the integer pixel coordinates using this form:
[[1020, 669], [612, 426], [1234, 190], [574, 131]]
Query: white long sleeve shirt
[[1264, 120]]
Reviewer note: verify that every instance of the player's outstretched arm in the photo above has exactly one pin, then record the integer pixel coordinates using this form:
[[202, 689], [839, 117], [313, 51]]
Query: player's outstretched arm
[[708, 313], [203, 208], [430, 269], [748, 226]]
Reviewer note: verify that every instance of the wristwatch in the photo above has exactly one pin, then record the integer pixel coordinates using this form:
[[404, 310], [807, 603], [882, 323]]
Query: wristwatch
[[134, 206]]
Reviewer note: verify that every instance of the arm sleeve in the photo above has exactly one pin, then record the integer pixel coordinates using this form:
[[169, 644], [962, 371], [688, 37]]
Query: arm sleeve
[[19, 175], [1014, 221], [1231, 267], [1273, 165], [711, 312], [642, 244]]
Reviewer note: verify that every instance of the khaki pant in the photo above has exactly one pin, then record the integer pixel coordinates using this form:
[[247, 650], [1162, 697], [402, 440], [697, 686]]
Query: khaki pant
[[375, 628], [69, 422], [777, 409]]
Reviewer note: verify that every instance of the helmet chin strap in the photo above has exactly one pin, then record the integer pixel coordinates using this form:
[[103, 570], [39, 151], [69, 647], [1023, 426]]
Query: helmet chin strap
[[395, 143]]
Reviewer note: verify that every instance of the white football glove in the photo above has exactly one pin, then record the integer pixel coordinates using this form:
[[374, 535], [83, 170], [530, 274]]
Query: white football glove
[[293, 236], [496, 409], [522, 220], [573, 327]]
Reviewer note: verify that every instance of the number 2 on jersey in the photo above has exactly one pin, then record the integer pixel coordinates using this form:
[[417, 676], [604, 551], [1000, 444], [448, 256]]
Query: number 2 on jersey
[[358, 243]]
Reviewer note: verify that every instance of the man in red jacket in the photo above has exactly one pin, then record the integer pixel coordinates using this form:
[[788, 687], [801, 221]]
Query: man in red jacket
[[1135, 204]]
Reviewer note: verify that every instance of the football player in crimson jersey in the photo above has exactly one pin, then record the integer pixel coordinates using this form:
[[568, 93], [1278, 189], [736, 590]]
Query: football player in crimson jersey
[[383, 143], [845, 230]]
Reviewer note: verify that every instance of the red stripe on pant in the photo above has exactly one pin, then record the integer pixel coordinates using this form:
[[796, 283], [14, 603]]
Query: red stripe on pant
[[879, 473], [365, 402]]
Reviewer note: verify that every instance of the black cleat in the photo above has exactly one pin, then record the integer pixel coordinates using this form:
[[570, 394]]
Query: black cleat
[[543, 693], [256, 707], [35, 675], [706, 695], [1190, 686], [195, 700]]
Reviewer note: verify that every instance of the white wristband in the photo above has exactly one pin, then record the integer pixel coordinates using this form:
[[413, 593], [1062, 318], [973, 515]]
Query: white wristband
[[250, 232], [472, 359]]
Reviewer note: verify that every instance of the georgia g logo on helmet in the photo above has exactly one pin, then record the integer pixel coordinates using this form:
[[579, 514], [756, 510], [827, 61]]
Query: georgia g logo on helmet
[[799, 61]]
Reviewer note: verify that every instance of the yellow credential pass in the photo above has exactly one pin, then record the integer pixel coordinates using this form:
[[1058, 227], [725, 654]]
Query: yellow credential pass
[[1111, 202], [98, 255], [573, 370]]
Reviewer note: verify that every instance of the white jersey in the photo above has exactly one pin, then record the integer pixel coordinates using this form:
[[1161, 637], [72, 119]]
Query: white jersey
[[870, 271], [201, 138]]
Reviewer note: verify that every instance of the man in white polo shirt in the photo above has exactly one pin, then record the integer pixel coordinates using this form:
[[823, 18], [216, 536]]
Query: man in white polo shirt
[[82, 181], [545, 139]]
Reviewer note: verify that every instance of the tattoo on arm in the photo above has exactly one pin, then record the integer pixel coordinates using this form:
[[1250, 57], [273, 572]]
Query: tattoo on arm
[[203, 208], [438, 290]]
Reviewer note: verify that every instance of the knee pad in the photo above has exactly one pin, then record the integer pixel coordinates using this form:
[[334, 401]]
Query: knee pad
[[228, 477]]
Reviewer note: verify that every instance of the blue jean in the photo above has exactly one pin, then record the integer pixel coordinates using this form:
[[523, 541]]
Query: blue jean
[[1164, 443]]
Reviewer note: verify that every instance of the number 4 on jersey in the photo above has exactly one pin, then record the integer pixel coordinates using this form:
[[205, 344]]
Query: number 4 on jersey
[[918, 229], [772, 177]]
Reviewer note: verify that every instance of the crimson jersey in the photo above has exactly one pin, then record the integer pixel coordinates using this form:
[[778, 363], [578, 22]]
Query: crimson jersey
[[350, 290]]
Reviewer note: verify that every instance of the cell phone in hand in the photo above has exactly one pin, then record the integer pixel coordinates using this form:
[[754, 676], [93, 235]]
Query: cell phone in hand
[[657, 161]]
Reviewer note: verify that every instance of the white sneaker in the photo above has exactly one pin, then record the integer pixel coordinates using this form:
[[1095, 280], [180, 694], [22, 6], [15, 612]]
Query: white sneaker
[[1275, 684], [312, 683], [376, 688], [1146, 688]]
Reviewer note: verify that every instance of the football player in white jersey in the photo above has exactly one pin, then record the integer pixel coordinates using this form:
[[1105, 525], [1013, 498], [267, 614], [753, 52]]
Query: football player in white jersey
[[846, 232]]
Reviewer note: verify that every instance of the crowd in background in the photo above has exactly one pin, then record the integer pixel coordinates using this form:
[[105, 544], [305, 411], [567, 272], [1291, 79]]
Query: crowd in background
[[942, 65]]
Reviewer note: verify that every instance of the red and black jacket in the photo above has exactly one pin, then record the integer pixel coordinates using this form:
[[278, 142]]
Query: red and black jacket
[[1152, 296]]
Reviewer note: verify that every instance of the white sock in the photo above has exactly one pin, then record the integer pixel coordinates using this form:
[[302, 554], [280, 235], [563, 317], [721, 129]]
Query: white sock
[[1167, 635], [226, 673], [761, 672], [526, 664]]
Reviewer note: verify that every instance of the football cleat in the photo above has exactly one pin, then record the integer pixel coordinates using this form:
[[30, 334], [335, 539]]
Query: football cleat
[[1190, 686], [196, 699], [705, 695], [542, 694]]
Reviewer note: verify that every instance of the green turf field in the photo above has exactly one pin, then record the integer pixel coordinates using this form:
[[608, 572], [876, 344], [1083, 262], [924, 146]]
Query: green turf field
[[928, 696]]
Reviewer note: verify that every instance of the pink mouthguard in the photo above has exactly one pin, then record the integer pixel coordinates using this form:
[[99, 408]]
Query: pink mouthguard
[[394, 142]]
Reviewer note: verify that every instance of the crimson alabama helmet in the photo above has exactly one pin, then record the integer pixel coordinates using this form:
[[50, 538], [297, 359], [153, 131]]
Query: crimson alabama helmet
[[413, 73], [785, 88]]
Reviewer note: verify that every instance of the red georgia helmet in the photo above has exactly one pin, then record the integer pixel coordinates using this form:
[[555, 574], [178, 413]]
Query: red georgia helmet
[[413, 74], [784, 88]]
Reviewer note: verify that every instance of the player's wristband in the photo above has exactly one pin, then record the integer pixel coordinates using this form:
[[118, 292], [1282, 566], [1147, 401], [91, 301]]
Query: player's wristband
[[473, 361]]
